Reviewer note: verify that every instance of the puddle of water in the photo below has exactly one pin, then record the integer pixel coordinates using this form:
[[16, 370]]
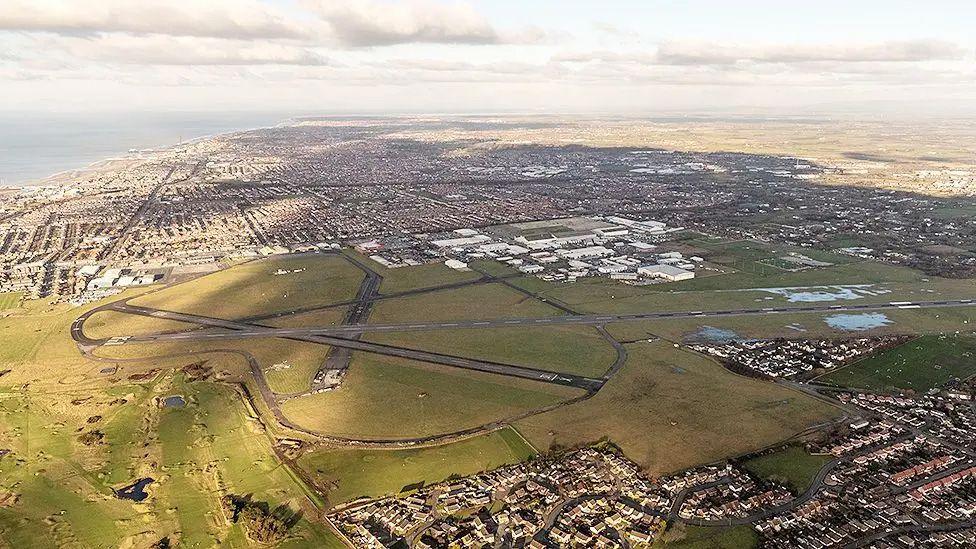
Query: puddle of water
[[857, 322], [715, 335], [174, 401], [135, 491], [819, 294]]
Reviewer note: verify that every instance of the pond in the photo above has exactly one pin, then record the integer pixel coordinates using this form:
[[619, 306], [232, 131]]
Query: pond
[[135, 491], [857, 322], [174, 401]]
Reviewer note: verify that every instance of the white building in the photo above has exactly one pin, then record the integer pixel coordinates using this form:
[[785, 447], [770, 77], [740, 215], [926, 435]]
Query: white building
[[666, 272], [589, 252]]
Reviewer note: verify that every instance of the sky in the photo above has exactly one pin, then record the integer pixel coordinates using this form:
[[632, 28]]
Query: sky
[[485, 56]]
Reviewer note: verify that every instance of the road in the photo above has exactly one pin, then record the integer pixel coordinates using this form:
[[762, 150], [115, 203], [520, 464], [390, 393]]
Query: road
[[586, 320], [257, 330]]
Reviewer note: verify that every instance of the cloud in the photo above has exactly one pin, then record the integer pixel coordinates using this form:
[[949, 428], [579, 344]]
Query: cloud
[[711, 53], [361, 23], [189, 51], [243, 19]]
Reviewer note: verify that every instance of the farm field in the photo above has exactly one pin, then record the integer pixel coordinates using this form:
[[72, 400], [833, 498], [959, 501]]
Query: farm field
[[253, 288], [919, 364], [387, 397], [792, 465], [347, 474], [572, 349], [668, 409]]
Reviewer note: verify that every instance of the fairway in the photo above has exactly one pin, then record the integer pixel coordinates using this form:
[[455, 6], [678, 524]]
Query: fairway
[[571, 349], [261, 287], [348, 474], [792, 466], [920, 364], [668, 410], [386, 397]]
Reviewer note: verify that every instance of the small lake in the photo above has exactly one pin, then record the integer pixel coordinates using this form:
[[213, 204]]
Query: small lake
[[174, 401], [135, 491], [857, 322]]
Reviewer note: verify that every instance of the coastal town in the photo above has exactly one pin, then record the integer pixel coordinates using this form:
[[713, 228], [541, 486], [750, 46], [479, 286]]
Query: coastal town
[[321, 183]]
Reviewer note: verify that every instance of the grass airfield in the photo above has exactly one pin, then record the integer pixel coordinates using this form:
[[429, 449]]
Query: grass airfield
[[667, 408]]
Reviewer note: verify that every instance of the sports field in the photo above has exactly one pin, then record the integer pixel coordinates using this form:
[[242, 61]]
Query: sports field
[[668, 410], [920, 364], [262, 286], [792, 466], [572, 349], [348, 474], [386, 397]]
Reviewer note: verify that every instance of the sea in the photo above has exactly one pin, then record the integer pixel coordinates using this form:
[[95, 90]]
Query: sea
[[36, 145]]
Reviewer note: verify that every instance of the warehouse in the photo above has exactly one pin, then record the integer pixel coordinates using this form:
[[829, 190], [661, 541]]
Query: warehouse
[[666, 272]]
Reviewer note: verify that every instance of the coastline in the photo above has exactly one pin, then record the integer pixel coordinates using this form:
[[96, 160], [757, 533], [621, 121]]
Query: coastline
[[103, 162]]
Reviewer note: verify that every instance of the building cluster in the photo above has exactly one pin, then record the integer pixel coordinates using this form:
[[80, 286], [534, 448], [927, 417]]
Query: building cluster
[[901, 475], [795, 359], [589, 497], [558, 250]]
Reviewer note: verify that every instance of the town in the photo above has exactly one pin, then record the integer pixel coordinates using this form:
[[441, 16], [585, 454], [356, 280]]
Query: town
[[902, 473], [323, 183]]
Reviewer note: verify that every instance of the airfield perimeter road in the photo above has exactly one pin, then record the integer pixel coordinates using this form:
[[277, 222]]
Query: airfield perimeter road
[[545, 376], [245, 331]]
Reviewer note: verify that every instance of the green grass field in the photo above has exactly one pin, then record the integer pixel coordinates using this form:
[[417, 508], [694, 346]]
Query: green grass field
[[573, 349], [668, 409], [106, 324], [196, 454], [792, 465], [9, 300], [387, 397], [695, 537], [920, 364], [480, 301], [253, 288], [802, 325], [348, 474]]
